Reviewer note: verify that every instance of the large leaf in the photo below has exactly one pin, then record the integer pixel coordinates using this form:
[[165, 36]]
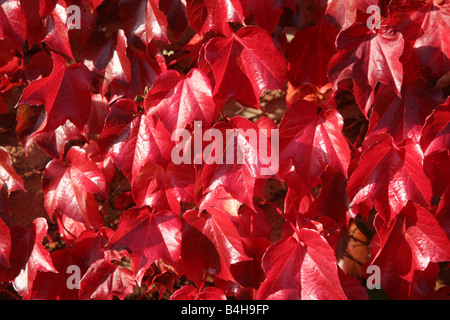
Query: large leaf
[[411, 242], [69, 189], [267, 13], [244, 65], [402, 117], [148, 236], [313, 141], [309, 54], [389, 175], [38, 259], [343, 13], [13, 23], [424, 26], [368, 56], [210, 242], [133, 139], [178, 100], [436, 132], [303, 268], [56, 30], [238, 163], [105, 279], [163, 189], [108, 61], [64, 93]]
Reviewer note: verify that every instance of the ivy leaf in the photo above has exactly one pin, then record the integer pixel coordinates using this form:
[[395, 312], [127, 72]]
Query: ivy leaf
[[64, 93], [210, 242], [303, 268], [5, 244], [267, 13], [309, 53], [13, 23], [38, 259], [313, 141], [411, 242], [436, 132], [403, 117], [9, 179], [148, 236], [178, 100], [105, 279], [206, 15], [244, 65], [69, 189], [389, 175], [143, 21], [368, 56]]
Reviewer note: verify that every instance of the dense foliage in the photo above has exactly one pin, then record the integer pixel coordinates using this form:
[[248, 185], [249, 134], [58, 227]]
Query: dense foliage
[[358, 99]]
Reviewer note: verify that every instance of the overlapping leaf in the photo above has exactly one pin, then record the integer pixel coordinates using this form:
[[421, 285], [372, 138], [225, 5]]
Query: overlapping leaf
[[149, 237], [244, 65], [69, 189], [303, 268], [389, 175], [368, 56], [313, 141]]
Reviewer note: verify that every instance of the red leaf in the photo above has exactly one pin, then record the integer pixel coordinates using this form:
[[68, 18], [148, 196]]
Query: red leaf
[[368, 56], [267, 13], [108, 61], [53, 286], [29, 120], [9, 179], [69, 189], [56, 30], [244, 65], [5, 244], [424, 26], [210, 242], [189, 292], [132, 141], [175, 12], [237, 178], [13, 23], [436, 132], [65, 94], [163, 189], [178, 100], [411, 242], [89, 247], [206, 15], [402, 117], [389, 175], [333, 186], [145, 67], [313, 141], [143, 21], [309, 53], [301, 269], [38, 260], [148, 236], [343, 13], [104, 279]]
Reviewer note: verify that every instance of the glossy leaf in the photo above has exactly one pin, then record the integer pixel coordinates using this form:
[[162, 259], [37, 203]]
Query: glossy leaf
[[244, 65], [289, 264], [389, 175]]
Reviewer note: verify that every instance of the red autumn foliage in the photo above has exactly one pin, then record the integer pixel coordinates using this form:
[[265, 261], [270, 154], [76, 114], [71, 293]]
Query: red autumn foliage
[[361, 111]]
